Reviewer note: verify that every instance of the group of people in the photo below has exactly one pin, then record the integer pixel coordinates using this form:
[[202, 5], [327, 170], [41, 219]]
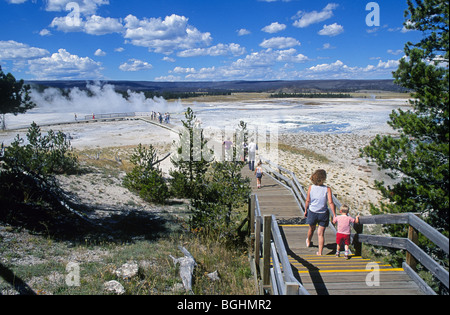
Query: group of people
[[250, 147], [317, 213], [160, 117]]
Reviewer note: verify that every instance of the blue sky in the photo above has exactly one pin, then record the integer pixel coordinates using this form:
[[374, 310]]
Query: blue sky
[[201, 40]]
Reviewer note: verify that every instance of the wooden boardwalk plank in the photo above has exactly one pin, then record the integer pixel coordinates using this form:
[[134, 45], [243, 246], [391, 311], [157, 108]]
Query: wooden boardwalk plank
[[327, 274]]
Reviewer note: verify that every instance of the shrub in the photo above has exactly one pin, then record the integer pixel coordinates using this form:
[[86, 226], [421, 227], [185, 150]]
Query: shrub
[[146, 178]]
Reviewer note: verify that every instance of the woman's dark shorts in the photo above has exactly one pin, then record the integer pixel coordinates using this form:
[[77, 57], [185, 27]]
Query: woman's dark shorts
[[323, 219]]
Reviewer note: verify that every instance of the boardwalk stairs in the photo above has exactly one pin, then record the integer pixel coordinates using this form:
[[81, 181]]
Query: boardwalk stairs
[[284, 265]]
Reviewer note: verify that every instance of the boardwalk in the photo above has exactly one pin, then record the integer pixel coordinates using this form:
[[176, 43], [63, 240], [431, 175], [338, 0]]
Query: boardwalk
[[327, 274]]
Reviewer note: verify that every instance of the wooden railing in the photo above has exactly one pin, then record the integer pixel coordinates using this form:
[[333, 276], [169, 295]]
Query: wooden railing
[[270, 259], [414, 254], [288, 179], [109, 116]]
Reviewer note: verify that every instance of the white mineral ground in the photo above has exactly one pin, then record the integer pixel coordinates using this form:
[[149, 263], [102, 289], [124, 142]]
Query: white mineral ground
[[350, 177]]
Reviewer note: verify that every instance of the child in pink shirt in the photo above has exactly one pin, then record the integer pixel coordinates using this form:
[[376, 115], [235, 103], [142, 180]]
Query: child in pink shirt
[[344, 222]]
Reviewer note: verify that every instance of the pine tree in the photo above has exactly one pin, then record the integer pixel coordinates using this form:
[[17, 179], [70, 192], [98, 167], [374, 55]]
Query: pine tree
[[192, 158], [14, 97], [418, 157]]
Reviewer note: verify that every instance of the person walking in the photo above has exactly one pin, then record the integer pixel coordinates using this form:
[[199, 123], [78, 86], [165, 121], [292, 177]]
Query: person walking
[[344, 227], [259, 174], [252, 148], [228, 149], [317, 212]]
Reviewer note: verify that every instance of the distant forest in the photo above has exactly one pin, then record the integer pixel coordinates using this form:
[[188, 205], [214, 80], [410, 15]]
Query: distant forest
[[172, 95], [173, 90], [311, 95]]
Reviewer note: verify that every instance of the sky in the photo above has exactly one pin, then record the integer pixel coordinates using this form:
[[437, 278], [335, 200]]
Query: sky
[[202, 40]]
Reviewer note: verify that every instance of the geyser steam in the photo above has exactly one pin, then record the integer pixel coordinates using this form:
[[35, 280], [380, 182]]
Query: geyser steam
[[98, 98]]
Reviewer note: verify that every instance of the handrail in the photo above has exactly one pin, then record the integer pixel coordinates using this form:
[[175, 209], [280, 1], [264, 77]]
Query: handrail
[[414, 252], [109, 116], [269, 244], [292, 183], [417, 225]]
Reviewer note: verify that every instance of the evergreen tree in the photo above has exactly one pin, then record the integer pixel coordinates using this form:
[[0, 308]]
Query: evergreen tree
[[223, 191], [27, 172], [418, 157], [192, 158], [146, 178], [14, 97]]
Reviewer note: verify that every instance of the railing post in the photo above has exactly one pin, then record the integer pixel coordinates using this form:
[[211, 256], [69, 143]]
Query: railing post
[[258, 242], [251, 210], [266, 250], [413, 236], [292, 288], [357, 243]]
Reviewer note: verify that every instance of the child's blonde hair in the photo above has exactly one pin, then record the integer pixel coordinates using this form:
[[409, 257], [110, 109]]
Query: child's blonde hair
[[345, 209]]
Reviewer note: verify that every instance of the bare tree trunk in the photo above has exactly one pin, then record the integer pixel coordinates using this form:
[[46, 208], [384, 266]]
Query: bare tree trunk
[[187, 265]]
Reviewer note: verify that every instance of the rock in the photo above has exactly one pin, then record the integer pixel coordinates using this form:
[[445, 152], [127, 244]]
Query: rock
[[114, 287], [178, 287], [128, 270], [214, 276], [146, 265]]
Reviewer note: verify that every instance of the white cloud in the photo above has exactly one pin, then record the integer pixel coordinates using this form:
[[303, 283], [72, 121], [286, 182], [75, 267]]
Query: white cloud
[[218, 50], [255, 66], [164, 36], [274, 28], [290, 56], [342, 71], [243, 32], [97, 25], [183, 70], [134, 65], [327, 46], [61, 24], [169, 78], [265, 65], [63, 65], [280, 43], [338, 65], [16, 1], [12, 50], [93, 25], [390, 64], [308, 18], [85, 7], [168, 59], [45, 32], [100, 53], [395, 52], [408, 27], [331, 30]]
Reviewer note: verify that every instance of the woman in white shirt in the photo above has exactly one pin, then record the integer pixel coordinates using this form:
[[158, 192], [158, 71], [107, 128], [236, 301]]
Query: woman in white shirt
[[252, 148], [317, 209]]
